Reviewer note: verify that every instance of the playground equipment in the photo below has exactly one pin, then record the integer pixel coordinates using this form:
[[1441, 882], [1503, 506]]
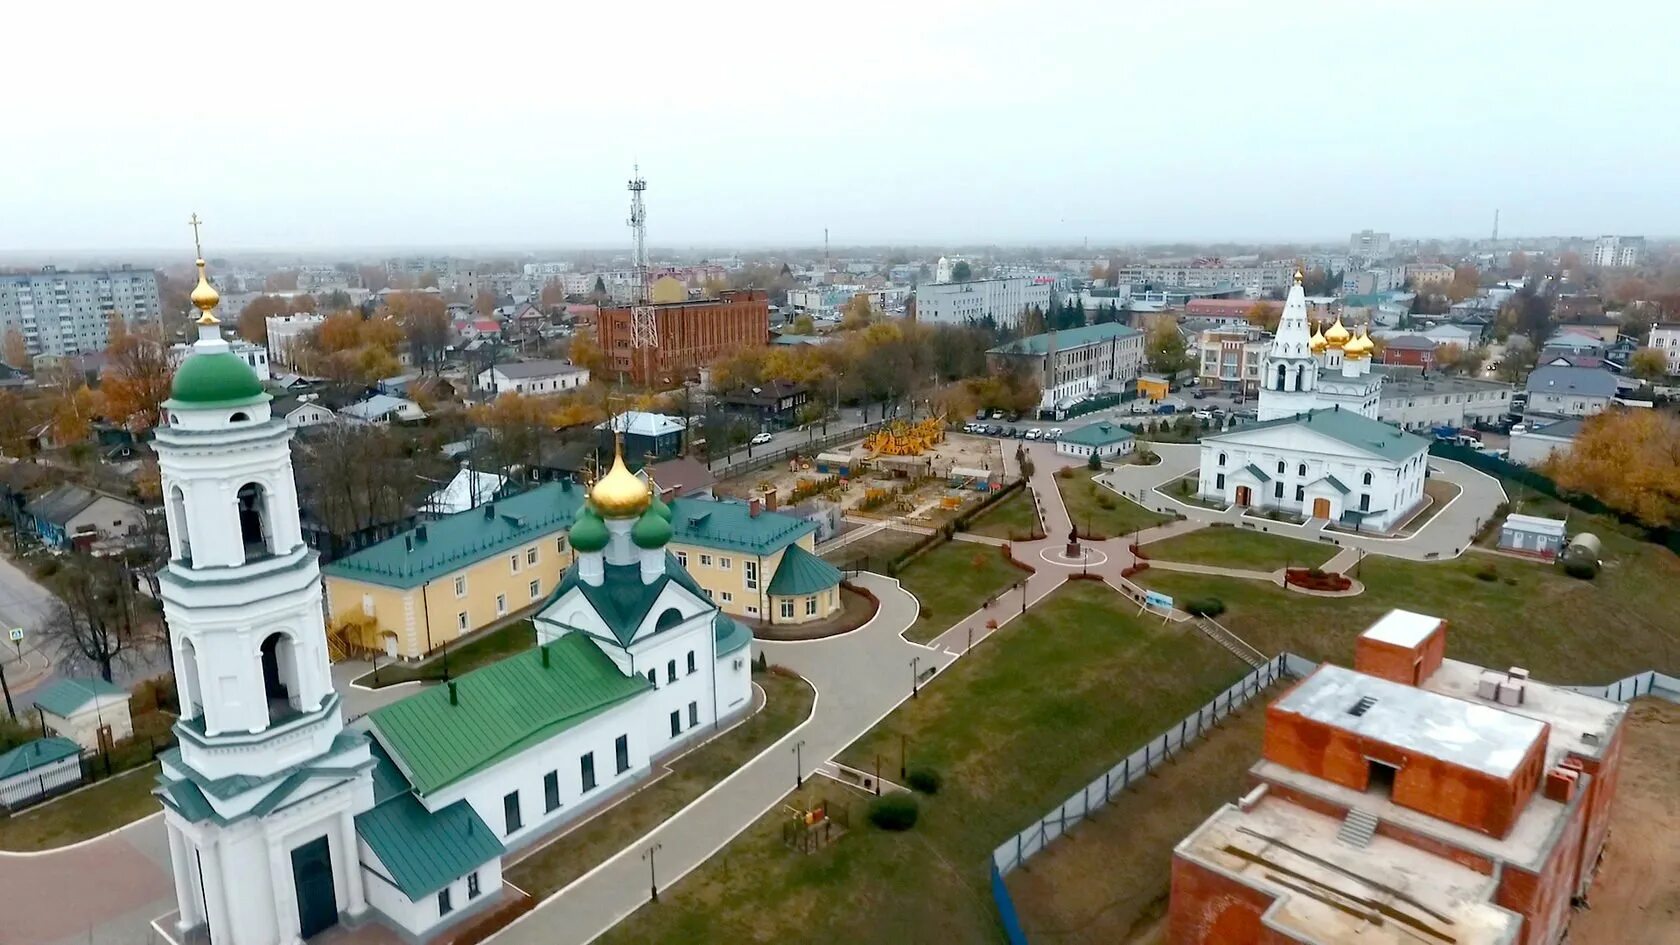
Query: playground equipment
[[809, 830], [901, 438]]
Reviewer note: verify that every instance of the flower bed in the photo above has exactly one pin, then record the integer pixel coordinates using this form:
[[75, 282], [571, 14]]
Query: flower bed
[[1313, 579]]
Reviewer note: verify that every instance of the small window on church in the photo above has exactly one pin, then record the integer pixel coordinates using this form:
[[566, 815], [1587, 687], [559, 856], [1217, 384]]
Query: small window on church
[[1367, 479], [1301, 470]]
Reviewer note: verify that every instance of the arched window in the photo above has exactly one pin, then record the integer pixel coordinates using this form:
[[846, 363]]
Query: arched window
[[1281, 371], [1301, 470], [254, 530], [1221, 459], [653, 678], [239, 417], [189, 688], [178, 523], [1301, 377], [1367, 478], [670, 618], [280, 676], [1280, 467]]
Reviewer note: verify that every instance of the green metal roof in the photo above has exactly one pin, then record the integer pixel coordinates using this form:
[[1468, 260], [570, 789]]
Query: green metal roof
[[456, 541], [215, 380], [388, 782], [1072, 338], [1355, 430], [802, 573], [67, 695], [501, 709], [1097, 434], [731, 526], [1335, 484], [729, 633], [621, 600], [1256, 472], [427, 850], [31, 755]]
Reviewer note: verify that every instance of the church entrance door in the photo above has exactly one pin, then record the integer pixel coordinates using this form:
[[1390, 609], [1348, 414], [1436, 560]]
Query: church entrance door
[[312, 874], [1321, 508], [1243, 496]]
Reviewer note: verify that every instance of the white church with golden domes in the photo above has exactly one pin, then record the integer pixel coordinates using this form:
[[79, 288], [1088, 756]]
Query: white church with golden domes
[[284, 818], [1318, 451]]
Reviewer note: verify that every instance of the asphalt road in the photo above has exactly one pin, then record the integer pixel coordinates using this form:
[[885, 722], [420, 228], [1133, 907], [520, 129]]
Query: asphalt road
[[850, 417]]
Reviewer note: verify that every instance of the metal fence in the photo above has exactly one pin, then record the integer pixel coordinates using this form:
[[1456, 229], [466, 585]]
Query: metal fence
[[1021, 847], [1648, 683], [809, 448], [48, 782]]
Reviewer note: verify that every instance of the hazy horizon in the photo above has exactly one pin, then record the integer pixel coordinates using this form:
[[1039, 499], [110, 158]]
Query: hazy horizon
[[329, 127]]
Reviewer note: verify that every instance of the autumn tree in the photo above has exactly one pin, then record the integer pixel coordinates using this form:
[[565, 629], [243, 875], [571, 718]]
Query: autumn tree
[[424, 323], [1466, 281], [1164, 348], [484, 303], [858, 312], [552, 295], [15, 350], [802, 325], [1629, 460], [1519, 358], [1264, 316], [428, 280], [373, 278], [1648, 364], [585, 351], [516, 423], [18, 419], [136, 379]]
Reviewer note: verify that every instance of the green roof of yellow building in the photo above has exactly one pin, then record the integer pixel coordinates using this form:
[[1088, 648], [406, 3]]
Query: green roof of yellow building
[[801, 572]]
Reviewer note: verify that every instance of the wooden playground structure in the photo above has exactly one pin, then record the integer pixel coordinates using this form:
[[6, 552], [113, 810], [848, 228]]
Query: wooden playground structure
[[812, 829], [904, 438]]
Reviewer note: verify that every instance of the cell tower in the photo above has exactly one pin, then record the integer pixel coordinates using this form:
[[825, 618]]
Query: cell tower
[[644, 332]]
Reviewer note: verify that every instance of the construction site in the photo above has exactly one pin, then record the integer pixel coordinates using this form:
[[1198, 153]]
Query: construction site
[[917, 471]]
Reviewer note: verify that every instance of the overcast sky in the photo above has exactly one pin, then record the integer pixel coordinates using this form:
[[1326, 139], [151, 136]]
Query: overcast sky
[[310, 125]]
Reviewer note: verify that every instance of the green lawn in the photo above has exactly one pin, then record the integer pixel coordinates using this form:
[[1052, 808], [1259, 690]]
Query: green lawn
[[1015, 518], [952, 581], [84, 814], [873, 551], [481, 651], [1086, 501], [788, 703], [1227, 547], [1532, 615], [1033, 715]]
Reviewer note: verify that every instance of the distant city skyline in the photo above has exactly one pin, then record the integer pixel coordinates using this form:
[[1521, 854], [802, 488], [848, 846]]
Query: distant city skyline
[[932, 124]]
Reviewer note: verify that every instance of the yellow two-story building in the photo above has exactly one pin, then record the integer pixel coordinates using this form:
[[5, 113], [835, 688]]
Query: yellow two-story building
[[411, 594]]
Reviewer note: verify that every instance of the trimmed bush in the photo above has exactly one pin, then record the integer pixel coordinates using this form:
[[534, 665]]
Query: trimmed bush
[[762, 663], [1205, 606], [895, 811], [923, 779]]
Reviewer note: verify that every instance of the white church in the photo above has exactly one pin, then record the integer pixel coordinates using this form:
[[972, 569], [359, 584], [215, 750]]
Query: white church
[[284, 820], [1318, 450]]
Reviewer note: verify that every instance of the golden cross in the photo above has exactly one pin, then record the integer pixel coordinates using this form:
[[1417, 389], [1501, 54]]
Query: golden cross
[[195, 222]]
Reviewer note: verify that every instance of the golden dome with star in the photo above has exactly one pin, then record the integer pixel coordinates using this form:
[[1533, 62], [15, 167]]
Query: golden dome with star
[[1338, 334], [620, 493]]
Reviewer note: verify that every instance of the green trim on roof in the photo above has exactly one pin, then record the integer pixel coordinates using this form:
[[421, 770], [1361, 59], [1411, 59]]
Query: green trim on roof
[[427, 850], [802, 573], [1355, 430], [622, 600], [1072, 338], [463, 539], [1256, 472], [731, 526], [730, 634], [1097, 434], [66, 695], [31, 755], [1335, 484], [222, 379], [501, 709]]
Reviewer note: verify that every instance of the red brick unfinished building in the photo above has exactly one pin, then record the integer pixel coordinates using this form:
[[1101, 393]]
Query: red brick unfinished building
[[691, 335], [1412, 799]]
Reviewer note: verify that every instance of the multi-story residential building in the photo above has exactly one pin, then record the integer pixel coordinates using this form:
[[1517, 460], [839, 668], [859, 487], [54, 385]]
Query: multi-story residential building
[[690, 335], [68, 312], [1372, 279], [1368, 245], [414, 266], [1411, 401], [1412, 798], [1072, 363], [318, 279], [830, 299], [1618, 252], [542, 272], [1253, 281], [1665, 338], [1429, 275], [285, 334], [1230, 358], [1000, 300]]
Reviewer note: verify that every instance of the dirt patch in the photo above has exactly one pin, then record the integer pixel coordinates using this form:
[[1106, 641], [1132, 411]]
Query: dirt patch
[[1635, 900], [1107, 880]]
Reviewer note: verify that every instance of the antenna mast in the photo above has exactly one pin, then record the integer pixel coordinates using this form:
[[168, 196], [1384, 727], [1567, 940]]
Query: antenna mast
[[1496, 224], [644, 333]]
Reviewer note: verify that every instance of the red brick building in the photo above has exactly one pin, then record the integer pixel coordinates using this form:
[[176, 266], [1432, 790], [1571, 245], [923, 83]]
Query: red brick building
[[691, 335], [1414, 350], [1410, 799]]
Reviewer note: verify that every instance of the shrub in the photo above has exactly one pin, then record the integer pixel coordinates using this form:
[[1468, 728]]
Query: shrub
[[1104, 501], [895, 811], [1581, 568], [761, 663], [1487, 572], [1184, 487], [1205, 606], [923, 779], [1094, 463]]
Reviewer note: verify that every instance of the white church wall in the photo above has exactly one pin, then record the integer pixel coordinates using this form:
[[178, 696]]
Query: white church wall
[[734, 681], [423, 917], [659, 653]]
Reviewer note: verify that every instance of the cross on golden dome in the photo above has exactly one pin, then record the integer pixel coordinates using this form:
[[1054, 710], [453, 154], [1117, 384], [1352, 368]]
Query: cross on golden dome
[[204, 297]]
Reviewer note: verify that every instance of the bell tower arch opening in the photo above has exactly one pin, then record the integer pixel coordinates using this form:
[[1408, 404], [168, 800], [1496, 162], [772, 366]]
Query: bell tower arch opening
[[255, 531]]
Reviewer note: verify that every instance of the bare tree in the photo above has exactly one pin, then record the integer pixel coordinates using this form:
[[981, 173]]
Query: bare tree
[[96, 625]]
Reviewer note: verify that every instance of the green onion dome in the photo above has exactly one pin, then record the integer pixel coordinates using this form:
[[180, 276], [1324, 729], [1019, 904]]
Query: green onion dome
[[658, 505], [220, 380], [589, 533], [651, 531]]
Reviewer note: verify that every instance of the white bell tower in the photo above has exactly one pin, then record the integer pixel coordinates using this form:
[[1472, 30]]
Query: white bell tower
[[261, 796], [1290, 376]]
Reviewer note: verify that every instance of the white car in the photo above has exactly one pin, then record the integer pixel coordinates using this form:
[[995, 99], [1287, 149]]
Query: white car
[[762, 439], [1034, 433], [1202, 414], [1055, 433]]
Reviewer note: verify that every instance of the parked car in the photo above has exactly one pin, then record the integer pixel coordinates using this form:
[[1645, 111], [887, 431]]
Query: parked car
[[1167, 409], [1034, 433], [981, 414], [1202, 414], [1200, 395], [997, 415], [1054, 433], [761, 439], [994, 430]]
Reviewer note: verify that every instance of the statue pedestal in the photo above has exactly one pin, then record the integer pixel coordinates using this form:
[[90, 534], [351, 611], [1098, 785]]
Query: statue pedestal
[[1073, 550]]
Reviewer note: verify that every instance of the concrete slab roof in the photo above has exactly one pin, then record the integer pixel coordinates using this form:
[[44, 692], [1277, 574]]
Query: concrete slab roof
[[1581, 724], [1402, 628], [1474, 735]]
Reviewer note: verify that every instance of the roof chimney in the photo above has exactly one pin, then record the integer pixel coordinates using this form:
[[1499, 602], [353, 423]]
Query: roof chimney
[[755, 505], [454, 698]]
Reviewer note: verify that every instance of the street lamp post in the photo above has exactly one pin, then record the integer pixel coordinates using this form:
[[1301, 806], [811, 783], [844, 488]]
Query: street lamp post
[[653, 877], [915, 675], [798, 765]]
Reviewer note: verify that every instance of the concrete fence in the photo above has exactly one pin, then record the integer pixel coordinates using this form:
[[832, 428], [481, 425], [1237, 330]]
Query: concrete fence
[[1021, 847], [1648, 683]]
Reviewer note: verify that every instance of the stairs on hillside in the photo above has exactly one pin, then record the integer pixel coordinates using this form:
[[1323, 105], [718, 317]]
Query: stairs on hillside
[[1357, 828]]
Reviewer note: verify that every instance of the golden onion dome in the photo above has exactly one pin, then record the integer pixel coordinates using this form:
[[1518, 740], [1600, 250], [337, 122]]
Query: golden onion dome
[[1318, 341], [1360, 347], [205, 298], [620, 493], [1338, 334]]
